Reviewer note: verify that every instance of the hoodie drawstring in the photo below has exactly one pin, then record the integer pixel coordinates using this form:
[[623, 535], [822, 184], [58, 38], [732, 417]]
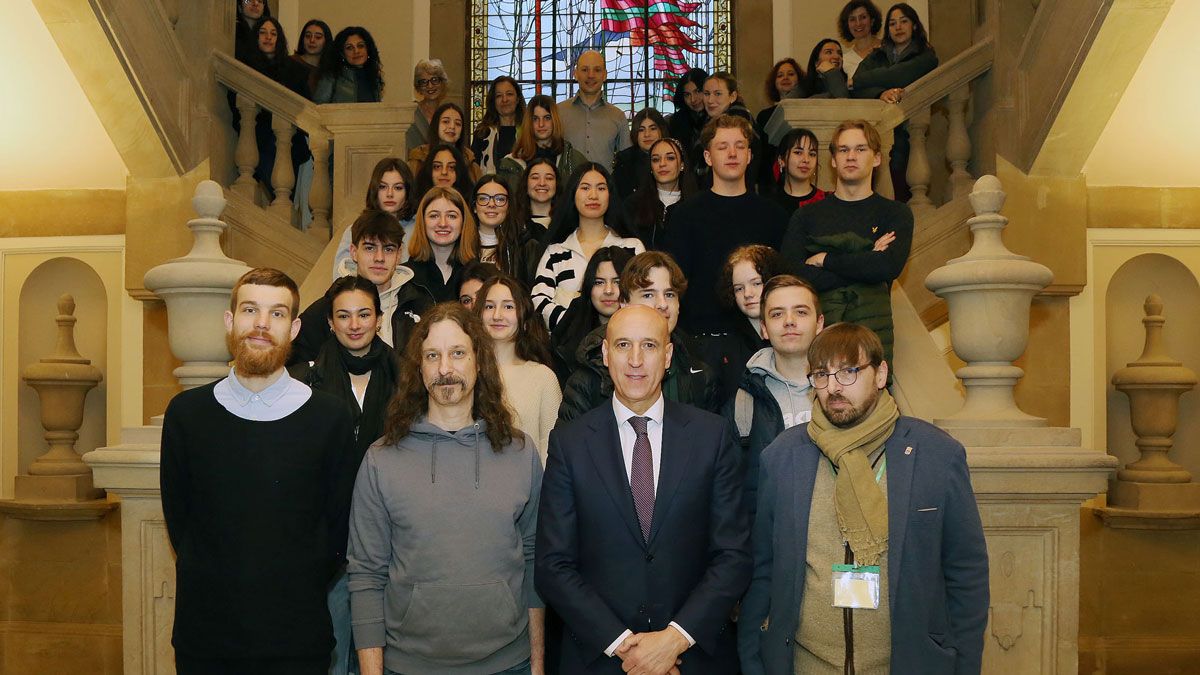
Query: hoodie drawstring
[[433, 463], [477, 460]]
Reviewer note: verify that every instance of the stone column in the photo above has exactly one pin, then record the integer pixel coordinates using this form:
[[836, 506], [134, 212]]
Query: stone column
[[1154, 492], [196, 290], [1030, 479]]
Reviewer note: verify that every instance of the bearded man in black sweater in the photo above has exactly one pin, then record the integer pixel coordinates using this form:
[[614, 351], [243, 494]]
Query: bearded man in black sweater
[[854, 243], [253, 479], [705, 229]]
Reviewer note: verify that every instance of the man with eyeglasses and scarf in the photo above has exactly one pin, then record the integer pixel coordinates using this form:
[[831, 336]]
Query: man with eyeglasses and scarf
[[869, 555]]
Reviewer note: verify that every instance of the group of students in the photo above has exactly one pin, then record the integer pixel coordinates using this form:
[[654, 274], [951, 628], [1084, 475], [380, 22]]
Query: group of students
[[492, 265]]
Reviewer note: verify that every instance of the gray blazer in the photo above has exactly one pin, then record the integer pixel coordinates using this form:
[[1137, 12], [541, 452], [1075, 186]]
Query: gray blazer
[[937, 557]]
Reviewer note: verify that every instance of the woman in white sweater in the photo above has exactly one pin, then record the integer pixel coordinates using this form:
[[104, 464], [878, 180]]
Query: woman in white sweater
[[521, 345], [583, 223]]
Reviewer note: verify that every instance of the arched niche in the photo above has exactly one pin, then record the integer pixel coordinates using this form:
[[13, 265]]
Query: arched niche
[[1125, 336], [38, 335]]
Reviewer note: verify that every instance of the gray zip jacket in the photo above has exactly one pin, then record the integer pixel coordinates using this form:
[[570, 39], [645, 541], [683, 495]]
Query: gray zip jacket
[[441, 551]]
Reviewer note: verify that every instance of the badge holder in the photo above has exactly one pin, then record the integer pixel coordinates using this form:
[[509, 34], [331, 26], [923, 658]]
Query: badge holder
[[856, 586]]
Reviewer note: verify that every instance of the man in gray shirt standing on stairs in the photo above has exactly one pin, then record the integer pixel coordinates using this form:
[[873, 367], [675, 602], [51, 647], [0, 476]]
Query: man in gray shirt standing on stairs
[[591, 124]]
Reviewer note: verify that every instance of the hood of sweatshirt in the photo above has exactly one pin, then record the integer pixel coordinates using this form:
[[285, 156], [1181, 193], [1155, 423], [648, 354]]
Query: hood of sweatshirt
[[471, 438]]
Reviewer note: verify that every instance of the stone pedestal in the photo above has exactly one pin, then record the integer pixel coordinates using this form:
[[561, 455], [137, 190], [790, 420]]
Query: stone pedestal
[[130, 470], [1029, 479]]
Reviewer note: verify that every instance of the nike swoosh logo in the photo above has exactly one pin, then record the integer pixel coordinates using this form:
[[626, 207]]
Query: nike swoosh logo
[[696, 370]]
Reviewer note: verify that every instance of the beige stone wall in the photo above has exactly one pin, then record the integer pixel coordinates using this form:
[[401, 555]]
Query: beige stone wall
[[40, 213], [60, 600]]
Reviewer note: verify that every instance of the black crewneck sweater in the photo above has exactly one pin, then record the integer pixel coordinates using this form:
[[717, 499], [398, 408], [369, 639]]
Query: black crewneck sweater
[[257, 513]]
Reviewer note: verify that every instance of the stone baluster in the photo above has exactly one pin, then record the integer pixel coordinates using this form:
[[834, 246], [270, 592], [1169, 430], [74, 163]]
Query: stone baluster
[[958, 142], [1154, 383], [918, 172], [283, 177], [196, 290], [988, 293], [62, 381], [320, 197], [246, 154]]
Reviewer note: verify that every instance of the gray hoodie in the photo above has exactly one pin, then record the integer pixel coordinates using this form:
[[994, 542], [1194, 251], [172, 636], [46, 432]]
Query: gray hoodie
[[794, 398], [441, 551]]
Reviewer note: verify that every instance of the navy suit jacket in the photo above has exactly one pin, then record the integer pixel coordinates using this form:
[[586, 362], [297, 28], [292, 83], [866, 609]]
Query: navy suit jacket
[[596, 570], [937, 558]]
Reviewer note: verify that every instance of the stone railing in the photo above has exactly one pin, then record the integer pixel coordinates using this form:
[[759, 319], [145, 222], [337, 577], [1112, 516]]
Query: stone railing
[[345, 139], [949, 82]]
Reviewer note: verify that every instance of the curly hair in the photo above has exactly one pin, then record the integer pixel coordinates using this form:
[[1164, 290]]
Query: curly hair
[[332, 61], [532, 338], [843, 21], [772, 93], [411, 400], [765, 260]]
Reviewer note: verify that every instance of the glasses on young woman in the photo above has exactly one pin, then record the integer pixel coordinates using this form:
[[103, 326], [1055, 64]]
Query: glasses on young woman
[[485, 200]]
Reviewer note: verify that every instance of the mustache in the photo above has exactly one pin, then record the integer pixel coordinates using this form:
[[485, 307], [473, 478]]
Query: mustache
[[262, 334], [447, 380]]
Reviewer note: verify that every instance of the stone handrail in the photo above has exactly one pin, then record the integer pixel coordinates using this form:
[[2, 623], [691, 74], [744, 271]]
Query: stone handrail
[[345, 139], [950, 80]]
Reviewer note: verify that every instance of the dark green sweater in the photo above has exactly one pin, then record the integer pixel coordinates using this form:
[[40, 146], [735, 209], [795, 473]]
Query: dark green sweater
[[258, 524], [832, 224]]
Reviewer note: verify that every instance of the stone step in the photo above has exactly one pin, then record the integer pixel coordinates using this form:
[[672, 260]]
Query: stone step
[[1016, 437], [147, 435]]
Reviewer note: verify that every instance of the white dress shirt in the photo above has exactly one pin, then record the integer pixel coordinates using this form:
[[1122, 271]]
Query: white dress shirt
[[282, 398], [654, 429]]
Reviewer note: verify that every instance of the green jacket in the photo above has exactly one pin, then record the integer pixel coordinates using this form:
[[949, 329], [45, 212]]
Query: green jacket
[[510, 168]]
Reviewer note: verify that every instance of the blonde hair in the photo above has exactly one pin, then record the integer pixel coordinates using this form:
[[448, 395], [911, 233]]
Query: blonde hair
[[466, 248]]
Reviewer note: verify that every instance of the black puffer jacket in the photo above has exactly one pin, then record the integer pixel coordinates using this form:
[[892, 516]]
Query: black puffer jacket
[[767, 423], [688, 380]]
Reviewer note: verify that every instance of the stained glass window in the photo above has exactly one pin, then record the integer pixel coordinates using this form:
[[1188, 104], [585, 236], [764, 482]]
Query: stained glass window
[[647, 45]]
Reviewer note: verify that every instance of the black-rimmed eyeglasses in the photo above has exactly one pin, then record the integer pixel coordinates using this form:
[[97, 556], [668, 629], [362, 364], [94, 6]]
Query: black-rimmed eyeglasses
[[844, 376]]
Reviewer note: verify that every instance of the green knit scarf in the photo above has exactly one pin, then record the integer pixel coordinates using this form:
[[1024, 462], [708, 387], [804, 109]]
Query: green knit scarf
[[861, 504]]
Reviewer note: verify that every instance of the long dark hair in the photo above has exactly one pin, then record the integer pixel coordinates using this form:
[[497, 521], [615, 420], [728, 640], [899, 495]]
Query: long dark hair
[[532, 338], [696, 76], [491, 116], [258, 60], [581, 317], [411, 400], [462, 172], [332, 62], [811, 76], [436, 122], [920, 39], [790, 140], [521, 191], [566, 217], [324, 29], [508, 234], [409, 208], [645, 208], [642, 115]]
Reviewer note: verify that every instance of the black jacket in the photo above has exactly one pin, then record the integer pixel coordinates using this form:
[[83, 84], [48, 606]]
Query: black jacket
[[413, 300], [629, 165], [766, 424], [428, 276], [877, 73], [688, 380]]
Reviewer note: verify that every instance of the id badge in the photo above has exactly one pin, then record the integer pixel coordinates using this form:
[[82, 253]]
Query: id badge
[[855, 586]]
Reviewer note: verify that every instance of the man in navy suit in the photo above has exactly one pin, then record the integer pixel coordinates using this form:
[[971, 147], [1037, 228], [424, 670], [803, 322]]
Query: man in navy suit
[[642, 542], [861, 499]]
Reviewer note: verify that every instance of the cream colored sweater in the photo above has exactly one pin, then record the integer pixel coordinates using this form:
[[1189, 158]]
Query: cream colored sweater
[[533, 395]]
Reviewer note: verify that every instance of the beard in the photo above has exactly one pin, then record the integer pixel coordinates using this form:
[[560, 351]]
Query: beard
[[447, 389], [851, 414], [254, 361]]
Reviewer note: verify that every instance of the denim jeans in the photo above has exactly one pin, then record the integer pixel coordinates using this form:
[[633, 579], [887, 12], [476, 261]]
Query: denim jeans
[[519, 669], [344, 661]]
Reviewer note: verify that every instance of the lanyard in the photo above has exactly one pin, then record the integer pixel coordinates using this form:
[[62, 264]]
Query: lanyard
[[878, 472]]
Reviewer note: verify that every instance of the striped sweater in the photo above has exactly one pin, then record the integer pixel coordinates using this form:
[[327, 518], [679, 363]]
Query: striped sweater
[[560, 274]]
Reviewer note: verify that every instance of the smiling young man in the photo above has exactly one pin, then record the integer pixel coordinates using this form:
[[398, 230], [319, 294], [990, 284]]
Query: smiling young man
[[647, 586], [869, 554], [774, 393], [703, 230], [253, 478], [854, 243], [377, 238], [591, 124]]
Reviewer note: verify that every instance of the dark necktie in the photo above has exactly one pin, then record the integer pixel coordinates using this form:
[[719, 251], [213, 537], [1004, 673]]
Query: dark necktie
[[641, 476]]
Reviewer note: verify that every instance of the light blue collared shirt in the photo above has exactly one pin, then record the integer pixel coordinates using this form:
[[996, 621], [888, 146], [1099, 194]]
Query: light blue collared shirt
[[282, 398]]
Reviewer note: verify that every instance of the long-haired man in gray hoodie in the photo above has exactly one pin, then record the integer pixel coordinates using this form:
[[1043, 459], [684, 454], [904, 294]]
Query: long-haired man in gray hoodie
[[444, 516]]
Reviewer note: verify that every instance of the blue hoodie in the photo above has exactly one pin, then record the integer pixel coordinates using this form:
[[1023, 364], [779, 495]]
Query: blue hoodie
[[441, 551]]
